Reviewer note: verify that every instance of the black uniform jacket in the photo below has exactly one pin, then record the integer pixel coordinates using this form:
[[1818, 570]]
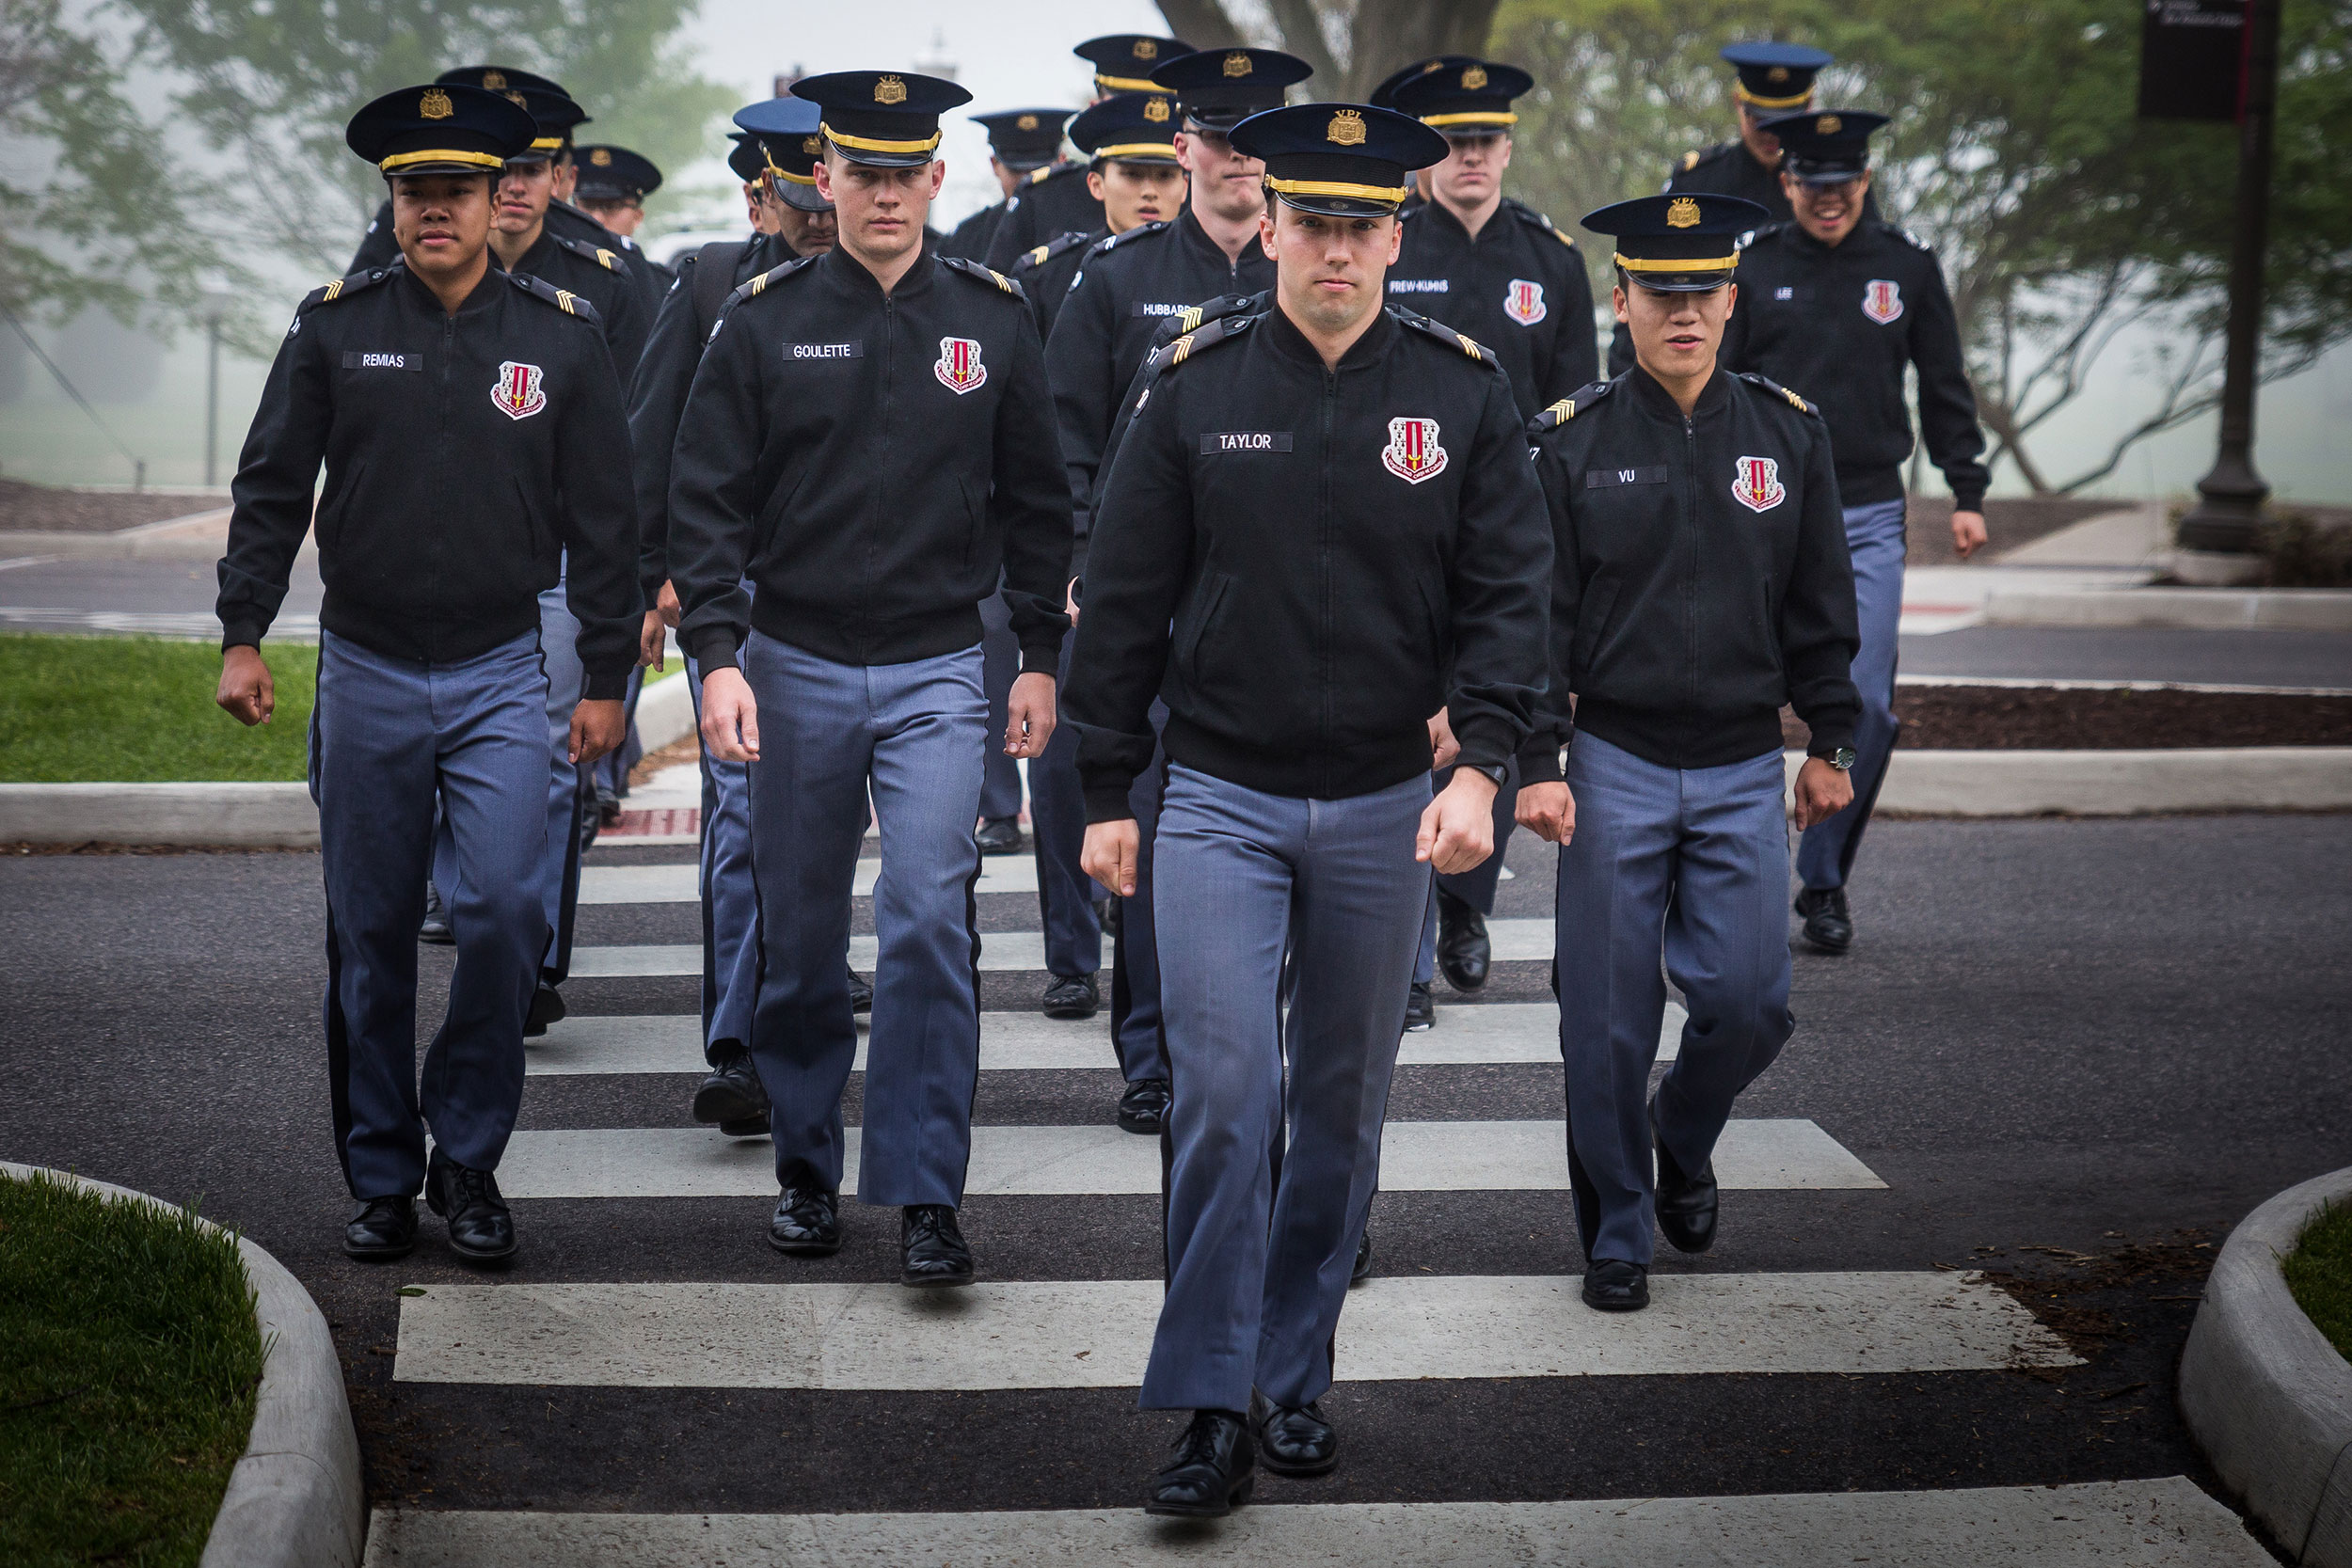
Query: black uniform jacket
[[872, 461], [1306, 562], [1044, 272], [1130, 283], [1048, 202], [464, 455], [1520, 288], [1838, 323], [657, 397], [969, 239], [602, 276], [1700, 574]]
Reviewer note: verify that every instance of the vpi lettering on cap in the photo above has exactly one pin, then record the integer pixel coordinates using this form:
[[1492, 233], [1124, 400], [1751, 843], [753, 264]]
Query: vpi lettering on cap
[[362, 361], [795, 352], [1213, 442]]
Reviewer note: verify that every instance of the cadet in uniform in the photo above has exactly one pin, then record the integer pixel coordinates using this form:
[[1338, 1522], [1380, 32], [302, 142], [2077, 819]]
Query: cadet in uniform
[[1336, 492], [1700, 583], [1838, 301], [1055, 200], [897, 400], [433, 674], [1020, 142], [1130, 142], [1129, 285], [612, 186], [1502, 271]]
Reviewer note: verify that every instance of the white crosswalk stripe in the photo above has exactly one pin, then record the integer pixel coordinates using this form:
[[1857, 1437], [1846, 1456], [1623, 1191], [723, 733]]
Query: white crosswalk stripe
[[680, 883], [2165, 1523], [1097, 1333], [1493, 1032], [1415, 1156]]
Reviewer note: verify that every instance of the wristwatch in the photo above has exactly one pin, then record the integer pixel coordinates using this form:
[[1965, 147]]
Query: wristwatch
[[1495, 771], [1842, 759]]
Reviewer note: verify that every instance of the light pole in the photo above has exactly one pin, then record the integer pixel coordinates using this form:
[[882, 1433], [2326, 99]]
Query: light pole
[[217, 295]]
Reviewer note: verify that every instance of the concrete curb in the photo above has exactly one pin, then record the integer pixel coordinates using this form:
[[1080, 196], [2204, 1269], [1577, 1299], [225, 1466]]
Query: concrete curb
[[2266, 1395], [2182, 608], [205, 816], [296, 1500]]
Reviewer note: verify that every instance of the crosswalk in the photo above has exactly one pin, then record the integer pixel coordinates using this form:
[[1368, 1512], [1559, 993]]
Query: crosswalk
[[1015, 1332]]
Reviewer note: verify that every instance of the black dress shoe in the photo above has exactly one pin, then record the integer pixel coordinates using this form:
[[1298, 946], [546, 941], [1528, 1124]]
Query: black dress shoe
[[1686, 1201], [733, 1092], [1294, 1440], [1362, 1269], [746, 1127], [546, 1006], [481, 1226], [1828, 929], [1213, 1466], [999, 835], [385, 1229], [807, 1223], [1464, 953], [1071, 996], [1144, 1106], [1420, 1010], [608, 805], [1615, 1286], [434, 928], [932, 1250], [860, 993]]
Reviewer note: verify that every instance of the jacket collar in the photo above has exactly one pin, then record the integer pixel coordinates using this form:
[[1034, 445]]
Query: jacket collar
[[486, 292], [1654, 400], [845, 271], [1283, 337], [1440, 213]]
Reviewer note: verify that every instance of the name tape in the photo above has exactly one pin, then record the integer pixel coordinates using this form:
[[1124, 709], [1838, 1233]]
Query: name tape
[[362, 361], [1601, 479], [1212, 442], [824, 351]]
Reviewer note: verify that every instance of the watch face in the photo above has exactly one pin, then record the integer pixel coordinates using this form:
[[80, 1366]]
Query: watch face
[[1842, 759]]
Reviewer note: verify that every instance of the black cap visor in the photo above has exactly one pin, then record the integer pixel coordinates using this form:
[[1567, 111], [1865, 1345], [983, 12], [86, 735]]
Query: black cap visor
[[1824, 172]]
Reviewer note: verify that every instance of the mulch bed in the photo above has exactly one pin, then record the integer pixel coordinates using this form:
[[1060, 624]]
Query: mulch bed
[[45, 509], [2008, 520], [2010, 718]]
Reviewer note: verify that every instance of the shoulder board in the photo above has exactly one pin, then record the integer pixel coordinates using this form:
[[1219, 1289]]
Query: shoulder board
[[1691, 160], [563, 299], [986, 274], [342, 287], [1566, 409], [1535, 219], [1708, 154], [597, 253], [1198, 340], [1764, 232], [1766, 384], [1190, 318], [1446, 335], [1135, 234], [1039, 176], [1037, 255], [765, 280], [1907, 237]]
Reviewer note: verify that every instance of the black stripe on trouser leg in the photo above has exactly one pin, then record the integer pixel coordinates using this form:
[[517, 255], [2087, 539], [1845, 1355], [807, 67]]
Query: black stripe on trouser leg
[[557, 967], [338, 1054], [702, 854], [972, 928]]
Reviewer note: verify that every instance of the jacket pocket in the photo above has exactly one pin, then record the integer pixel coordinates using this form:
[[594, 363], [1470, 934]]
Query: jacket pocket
[[538, 531], [327, 527], [975, 521], [1592, 625], [1208, 601], [1434, 620], [1769, 610]]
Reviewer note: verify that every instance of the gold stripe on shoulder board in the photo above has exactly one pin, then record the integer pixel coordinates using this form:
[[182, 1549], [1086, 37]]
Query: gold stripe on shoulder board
[[1037, 256], [1190, 316], [563, 297], [605, 257], [1798, 400], [1002, 281], [1179, 349], [759, 283], [1563, 411], [333, 288], [1469, 346]]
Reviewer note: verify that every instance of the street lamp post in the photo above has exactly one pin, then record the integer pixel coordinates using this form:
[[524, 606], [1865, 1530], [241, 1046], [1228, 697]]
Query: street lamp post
[[217, 295], [2228, 516]]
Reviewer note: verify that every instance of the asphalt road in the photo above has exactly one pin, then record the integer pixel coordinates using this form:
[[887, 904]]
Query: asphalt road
[[2110, 1038], [2269, 658]]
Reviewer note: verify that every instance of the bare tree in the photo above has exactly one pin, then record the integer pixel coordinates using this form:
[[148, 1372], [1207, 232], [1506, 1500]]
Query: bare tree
[[1351, 44]]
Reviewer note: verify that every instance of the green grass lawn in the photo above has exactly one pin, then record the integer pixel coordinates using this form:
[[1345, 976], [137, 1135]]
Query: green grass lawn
[[2319, 1272], [139, 710], [129, 1360]]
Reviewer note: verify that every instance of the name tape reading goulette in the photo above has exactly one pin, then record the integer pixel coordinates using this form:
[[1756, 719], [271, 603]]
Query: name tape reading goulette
[[824, 351], [1213, 442]]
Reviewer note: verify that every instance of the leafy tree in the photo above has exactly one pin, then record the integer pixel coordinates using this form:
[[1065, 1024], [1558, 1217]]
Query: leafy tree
[[1351, 44]]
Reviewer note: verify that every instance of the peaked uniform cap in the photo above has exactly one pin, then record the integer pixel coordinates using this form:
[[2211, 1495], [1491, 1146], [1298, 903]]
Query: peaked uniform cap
[[1469, 99], [615, 174], [1683, 243], [1023, 139], [440, 129], [500, 78], [1384, 96], [883, 119], [1775, 75], [1342, 160], [549, 104], [1827, 147], [1123, 62], [1222, 87], [787, 140], [1129, 127]]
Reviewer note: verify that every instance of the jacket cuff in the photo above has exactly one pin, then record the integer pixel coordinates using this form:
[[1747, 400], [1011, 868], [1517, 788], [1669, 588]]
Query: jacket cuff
[[713, 648], [606, 685], [1486, 741], [1968, 500], [1539, 760], [1829, 734], [1041, 658], [240, 633], [1108, 803]]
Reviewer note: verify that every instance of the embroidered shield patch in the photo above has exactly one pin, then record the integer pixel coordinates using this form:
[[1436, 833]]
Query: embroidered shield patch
[[959, 369], [1413, 454], [1757, 486], [1881, 300], [1523, 302], [517, 392]]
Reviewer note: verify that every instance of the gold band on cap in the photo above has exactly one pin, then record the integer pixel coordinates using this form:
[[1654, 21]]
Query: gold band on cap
[[1712, 263], [1128, 83], [1136, 150], [546, 144], [399, 161], [1337, 187], [868, 144], [1473, 116], [1740, 91], [781, 172]]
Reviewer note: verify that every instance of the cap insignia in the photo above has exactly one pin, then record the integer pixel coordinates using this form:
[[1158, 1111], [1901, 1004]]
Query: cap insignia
[[601, 157], [1778, 74], [1346, 129], [1473, 78], [1237, 64], [890, 89], [518, 99], [1027, 122], [1827, 125], [1147, 49], [812, 146], [494, 80], [1155, 110], [1682, 213], [434, 105]]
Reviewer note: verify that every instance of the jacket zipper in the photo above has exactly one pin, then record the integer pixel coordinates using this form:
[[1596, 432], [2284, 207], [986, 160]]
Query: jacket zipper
[[1691, 525], [884, 430], [448, 351], [1330, 418]]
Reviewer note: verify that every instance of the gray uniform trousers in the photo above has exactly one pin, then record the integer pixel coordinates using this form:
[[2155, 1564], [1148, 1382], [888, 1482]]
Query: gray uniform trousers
[[730, 897], [1000, 791], [1258, 1262], [1057, 815], [385, 735], [1702, 856], [1875, 538], [1139, 1034], [916, 731]]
